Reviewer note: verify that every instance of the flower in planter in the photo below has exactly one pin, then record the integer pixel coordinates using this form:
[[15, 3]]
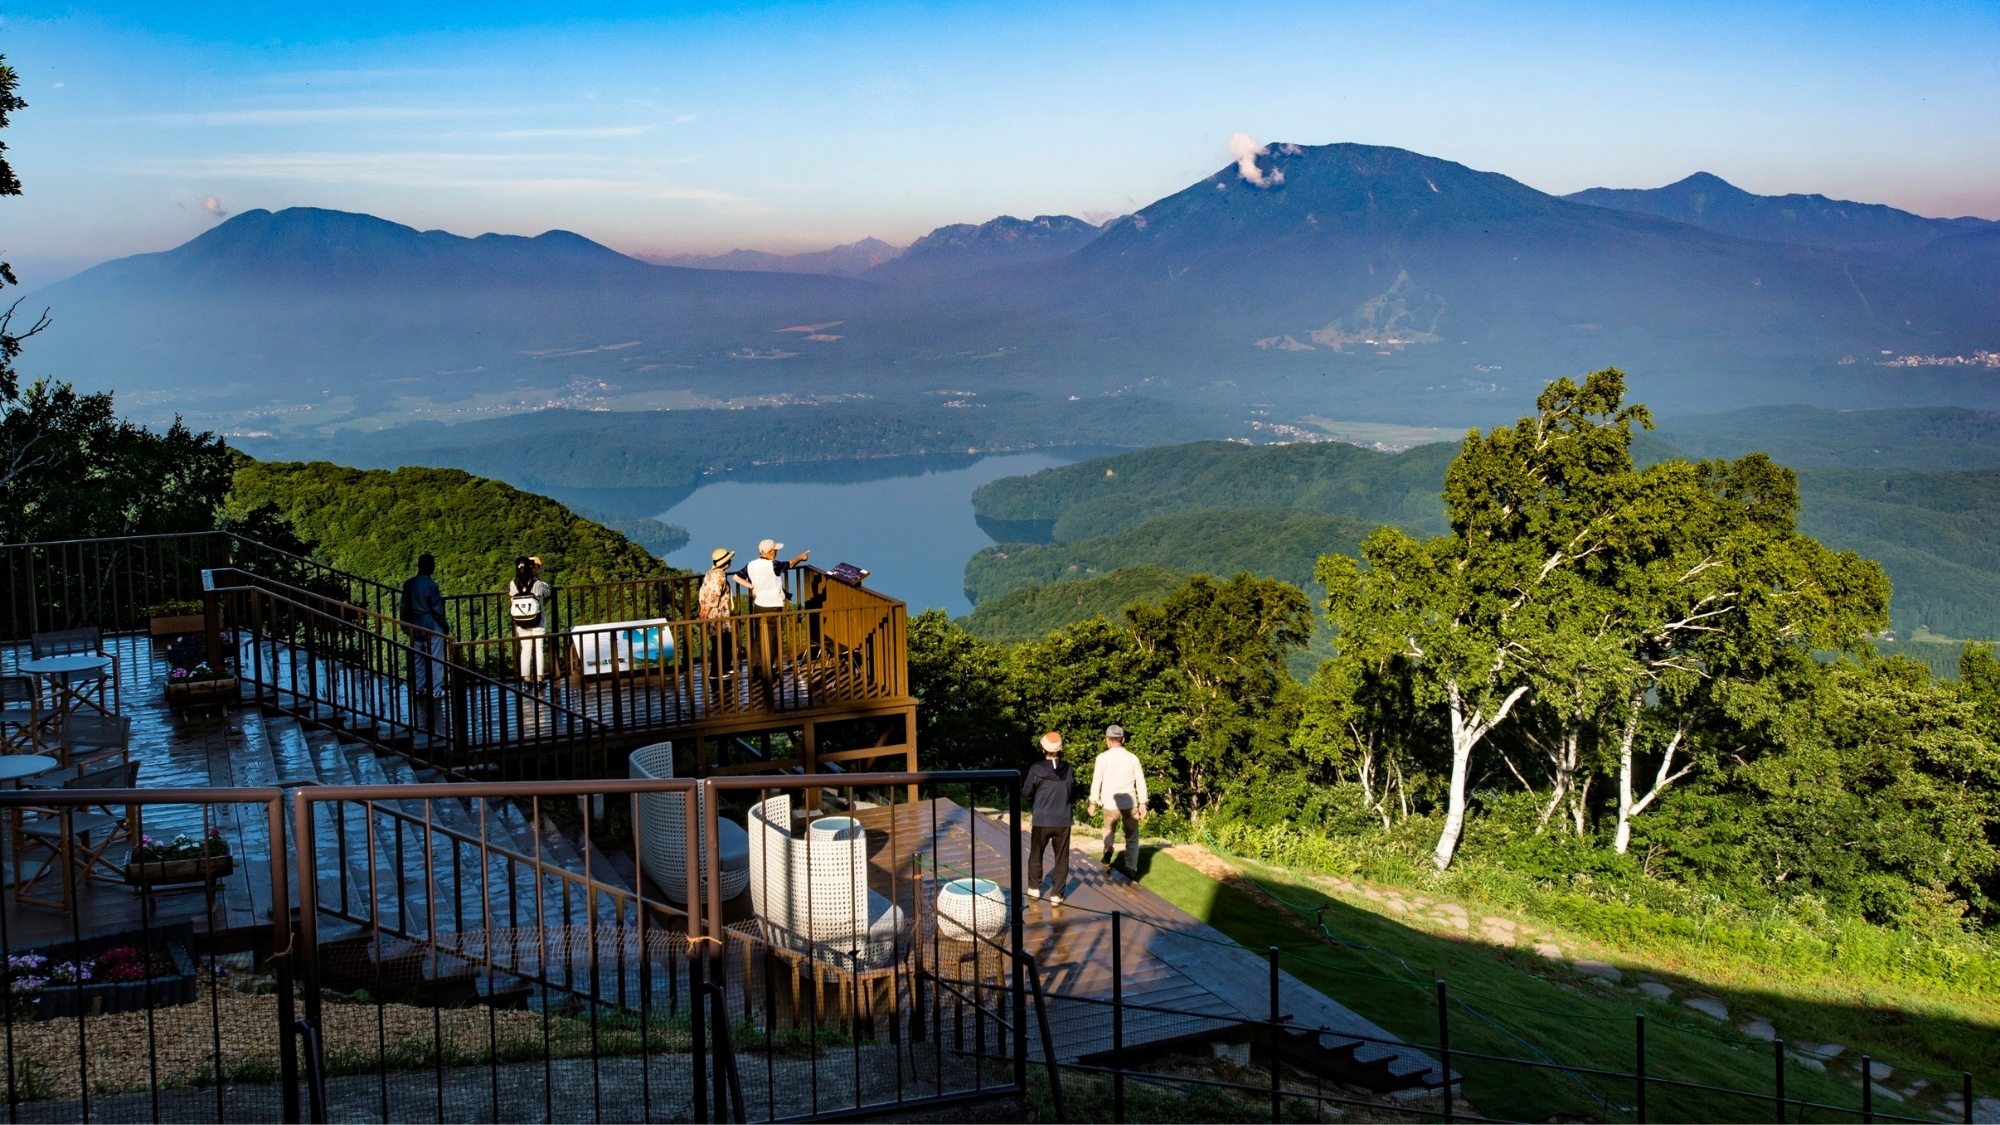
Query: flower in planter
[[122, 965]]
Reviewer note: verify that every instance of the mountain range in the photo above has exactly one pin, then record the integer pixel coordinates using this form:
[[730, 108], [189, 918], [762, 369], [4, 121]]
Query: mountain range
[[1336, 281]]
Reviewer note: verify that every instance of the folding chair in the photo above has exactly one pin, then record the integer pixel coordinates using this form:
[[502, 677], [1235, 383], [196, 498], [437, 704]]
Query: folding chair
[[75, 839], [87, 640], [20, 715], [89, 741]]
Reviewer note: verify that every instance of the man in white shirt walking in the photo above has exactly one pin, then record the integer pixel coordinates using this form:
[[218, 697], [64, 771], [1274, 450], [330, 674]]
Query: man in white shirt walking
[[1118, 783]]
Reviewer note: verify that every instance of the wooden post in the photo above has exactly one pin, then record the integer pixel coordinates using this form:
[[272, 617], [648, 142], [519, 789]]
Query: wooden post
[[809, 763], [211, 625]]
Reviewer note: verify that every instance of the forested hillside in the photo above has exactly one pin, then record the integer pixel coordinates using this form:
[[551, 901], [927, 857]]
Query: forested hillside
[[1098, 497], [1273, 542], [1034, 611], [375, 523], [1916, 490]]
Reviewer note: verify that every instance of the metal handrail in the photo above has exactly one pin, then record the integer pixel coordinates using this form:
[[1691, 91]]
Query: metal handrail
[[729, 1089], [581, 727]]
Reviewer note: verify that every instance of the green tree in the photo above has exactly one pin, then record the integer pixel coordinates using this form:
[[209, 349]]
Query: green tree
[[967, 717], [11, 337], [1526, 505], [1226, 644], [71, 469]]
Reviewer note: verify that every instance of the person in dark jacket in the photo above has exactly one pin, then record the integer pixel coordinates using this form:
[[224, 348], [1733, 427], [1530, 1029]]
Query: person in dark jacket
[[423, 609], [1049, 790]]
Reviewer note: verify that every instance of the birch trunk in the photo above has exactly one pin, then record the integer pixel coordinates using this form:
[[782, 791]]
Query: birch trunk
[[1466, 731]]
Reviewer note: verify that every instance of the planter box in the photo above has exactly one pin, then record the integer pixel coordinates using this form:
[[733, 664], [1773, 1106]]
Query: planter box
[[105, 997], [199, 693], [175, 626], [170, 871]]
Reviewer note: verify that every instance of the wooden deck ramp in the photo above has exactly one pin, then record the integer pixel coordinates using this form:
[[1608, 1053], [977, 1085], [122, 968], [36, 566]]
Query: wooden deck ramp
[[1182, 977]]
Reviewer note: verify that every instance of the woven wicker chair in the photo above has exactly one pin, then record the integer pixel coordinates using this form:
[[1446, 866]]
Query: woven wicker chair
[[811, 895], [662, 831]]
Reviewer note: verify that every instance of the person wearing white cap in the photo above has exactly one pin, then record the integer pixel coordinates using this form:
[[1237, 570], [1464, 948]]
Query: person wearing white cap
[[1118, 783], [764, 577]]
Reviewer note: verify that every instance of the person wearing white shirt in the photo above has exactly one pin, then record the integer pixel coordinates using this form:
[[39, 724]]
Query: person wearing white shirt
[[1118, 784], [764, 577]]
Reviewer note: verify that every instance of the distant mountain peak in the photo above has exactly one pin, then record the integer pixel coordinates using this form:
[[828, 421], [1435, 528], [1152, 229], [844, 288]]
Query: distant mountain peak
[[1707, 200], [966, 248], [845, 260]]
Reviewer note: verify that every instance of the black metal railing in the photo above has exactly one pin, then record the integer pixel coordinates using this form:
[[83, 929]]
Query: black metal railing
[[114, 582], [346, 666], [120, 1006]]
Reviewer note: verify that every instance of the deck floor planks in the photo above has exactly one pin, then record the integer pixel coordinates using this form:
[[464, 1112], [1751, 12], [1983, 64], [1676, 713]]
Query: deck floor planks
[[1170, 959]]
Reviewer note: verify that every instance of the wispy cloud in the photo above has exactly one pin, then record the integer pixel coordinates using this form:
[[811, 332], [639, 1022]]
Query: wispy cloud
[[326, 113], [505, 174], [605, 131]]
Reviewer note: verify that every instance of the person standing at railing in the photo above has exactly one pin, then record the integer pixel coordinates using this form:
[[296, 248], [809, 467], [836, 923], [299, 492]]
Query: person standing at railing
[[1118, 783], [1049, 791], [528, 602], [716, 603], [764, 577], [423, 611]]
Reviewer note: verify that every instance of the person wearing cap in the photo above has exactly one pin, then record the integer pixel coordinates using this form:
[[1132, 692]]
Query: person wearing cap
[[764, 577], [1118, 784], [716, 603], [1049, 790]]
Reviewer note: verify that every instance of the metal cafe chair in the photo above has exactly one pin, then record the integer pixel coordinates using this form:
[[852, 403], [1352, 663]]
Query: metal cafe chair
[[74, 840], [79, 686], [20, 715]]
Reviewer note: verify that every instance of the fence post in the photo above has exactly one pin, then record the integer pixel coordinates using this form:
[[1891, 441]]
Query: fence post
[[1867, 1088], [1966, 1093], [1444, 1048], [1276, 1087], [1778, 1052], [1639, 1069], [1015, 909], [1118, 1022]]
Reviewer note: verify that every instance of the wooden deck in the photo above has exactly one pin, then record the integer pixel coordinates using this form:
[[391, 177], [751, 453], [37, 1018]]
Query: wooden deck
[[1170, 960]]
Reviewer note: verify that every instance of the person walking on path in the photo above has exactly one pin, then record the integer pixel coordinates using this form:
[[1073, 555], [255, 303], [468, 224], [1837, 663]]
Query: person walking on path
[[716, 603], [764, 577], [423, 611], [528, 602], [1049, 790], [1118, 785]]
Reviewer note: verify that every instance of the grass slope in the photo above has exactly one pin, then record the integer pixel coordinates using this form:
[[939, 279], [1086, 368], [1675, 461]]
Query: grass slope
[[1033, 612], [375, 523], [1275, 543], [1389, 946]]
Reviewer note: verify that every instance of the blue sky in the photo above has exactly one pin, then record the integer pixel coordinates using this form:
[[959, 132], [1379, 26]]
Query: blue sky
[[666, 128]]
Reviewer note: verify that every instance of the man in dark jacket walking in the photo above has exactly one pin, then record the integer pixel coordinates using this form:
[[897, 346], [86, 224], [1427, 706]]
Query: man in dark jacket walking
[[1049, 790]]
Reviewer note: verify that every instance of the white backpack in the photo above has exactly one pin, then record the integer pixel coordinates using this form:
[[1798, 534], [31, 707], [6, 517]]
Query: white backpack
[[527, 608]]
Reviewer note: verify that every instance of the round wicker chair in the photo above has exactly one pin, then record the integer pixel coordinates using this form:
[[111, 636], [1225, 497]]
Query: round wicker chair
[[662, 831]]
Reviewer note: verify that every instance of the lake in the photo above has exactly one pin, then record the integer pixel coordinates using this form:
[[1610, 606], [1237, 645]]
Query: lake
[[912, 531]]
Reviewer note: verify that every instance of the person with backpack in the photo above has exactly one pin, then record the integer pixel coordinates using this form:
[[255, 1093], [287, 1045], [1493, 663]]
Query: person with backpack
[[528, 603], [716, 603]]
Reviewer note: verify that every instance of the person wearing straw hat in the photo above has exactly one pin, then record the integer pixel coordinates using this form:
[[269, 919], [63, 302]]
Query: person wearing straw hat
[[717, 603], [1049, 791]]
